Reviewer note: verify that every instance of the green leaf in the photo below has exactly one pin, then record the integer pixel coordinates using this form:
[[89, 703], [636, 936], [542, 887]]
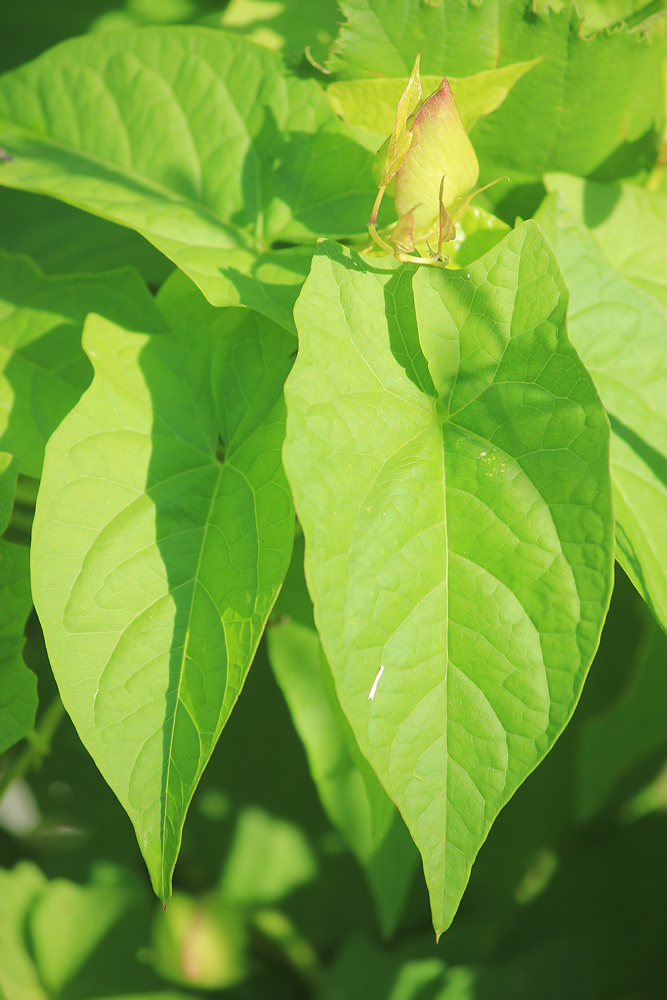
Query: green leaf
[[206, 146], [268, 282], [19, 888], [297, 27], [69, 921], [629, 225], [268, 859], [43, 367], [620, 333], [18, 685], [371, 104], [448, 457], [9, 470], [63, 240], [635, 726], [570, 113], [159, 549], [351, 795]]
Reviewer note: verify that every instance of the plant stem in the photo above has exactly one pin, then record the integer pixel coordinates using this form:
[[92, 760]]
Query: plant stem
[[38, 744]]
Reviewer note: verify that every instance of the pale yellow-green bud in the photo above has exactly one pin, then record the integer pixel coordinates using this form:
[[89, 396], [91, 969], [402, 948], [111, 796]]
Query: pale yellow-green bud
[[440, 162]]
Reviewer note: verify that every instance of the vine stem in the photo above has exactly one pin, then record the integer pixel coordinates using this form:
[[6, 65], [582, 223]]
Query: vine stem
[[39, 744]]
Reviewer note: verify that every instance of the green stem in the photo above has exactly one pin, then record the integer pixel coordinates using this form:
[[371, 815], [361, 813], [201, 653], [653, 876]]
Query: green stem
[[38, 744]]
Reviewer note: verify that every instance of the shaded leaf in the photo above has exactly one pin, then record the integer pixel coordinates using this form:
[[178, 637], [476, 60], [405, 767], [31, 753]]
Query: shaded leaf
[[351, 795], [613, 742], [9, 470], [296, 27], [163, 532], [268, 859], [44, 368], [205, 144], [448, 458], [69, 921], [620, 333], [629, 224], [63, 240], [18, 685]]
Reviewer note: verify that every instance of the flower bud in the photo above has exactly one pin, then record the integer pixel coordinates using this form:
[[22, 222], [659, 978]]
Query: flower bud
[[440, 159]]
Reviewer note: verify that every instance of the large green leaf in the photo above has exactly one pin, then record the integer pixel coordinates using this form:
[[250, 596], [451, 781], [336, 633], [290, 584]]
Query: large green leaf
[[621, 334], [629, 224], [163, 532], [193, 137], [448, 457], [570, 113], [43, 369]]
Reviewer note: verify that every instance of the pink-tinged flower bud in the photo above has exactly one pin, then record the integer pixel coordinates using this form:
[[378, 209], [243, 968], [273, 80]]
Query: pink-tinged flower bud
[[440, 162]]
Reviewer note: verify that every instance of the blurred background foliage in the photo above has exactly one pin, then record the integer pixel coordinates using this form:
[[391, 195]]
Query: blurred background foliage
[[568, 898]]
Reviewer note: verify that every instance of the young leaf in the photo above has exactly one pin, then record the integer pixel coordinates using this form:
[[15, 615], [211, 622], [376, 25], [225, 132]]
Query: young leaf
[[162, 535], [191, 136], [620, 333], [629, 224], [448, 457], [371, 104], [43, 367]]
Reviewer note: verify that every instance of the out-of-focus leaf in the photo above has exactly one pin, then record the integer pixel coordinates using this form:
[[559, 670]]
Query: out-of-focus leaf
[[352, 796], [68, 922], [9, 470], [193, 137], [629, 224], [448, 457], [268, 859], [19, 889], [64, 240], [200, 942], [18, 685], [371, 104], [601, 14], [43, 367], [296, 27], [620, 333], [163, 532], [614, 742]]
